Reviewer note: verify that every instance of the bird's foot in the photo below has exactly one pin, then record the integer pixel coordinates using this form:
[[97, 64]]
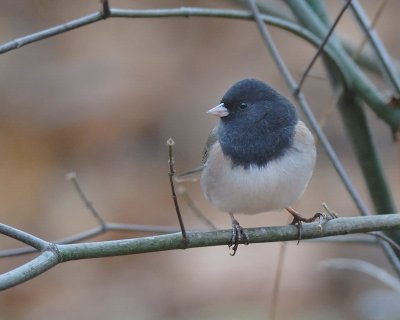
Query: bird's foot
[[298, 221], [238, 235]]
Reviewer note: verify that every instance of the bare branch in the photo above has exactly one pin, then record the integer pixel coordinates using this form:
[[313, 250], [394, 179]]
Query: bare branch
[[56, 253], [91, 233], [24, 237], [68, 26], [30, 270]]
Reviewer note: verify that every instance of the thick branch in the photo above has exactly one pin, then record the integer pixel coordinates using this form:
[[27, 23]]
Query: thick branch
[[61, 253], [30, 270], [85, 235]]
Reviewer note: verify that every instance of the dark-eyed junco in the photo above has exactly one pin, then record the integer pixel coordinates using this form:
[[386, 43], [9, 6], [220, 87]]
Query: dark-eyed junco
[[259, 158]]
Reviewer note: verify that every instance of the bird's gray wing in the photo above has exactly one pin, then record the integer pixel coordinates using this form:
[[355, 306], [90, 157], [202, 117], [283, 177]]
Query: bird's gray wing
[[212, 138], [194, 174]]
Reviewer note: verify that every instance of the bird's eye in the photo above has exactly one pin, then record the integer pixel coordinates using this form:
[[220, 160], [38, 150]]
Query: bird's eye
[[242, 106]]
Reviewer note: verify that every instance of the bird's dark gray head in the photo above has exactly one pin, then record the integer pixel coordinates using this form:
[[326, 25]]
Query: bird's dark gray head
[[258, 125]]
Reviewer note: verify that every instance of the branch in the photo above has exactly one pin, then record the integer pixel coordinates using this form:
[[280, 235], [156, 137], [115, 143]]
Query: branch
[[28, 271], [24, 237], [88, 234], [56, 253], [158, 13], [68, 26], [353, 74]]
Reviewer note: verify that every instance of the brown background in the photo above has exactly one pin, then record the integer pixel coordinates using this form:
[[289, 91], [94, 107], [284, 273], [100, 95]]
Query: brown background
[[102, 100]]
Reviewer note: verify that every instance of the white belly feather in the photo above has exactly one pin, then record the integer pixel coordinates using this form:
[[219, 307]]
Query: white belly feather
[[275, 186]]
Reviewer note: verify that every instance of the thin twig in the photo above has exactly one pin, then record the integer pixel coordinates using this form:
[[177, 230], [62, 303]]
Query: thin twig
[[321, 47], [171, 173], [200, 215], [71, 176]]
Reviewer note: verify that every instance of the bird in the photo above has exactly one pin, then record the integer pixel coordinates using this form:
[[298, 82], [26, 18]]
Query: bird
[[259, 158]]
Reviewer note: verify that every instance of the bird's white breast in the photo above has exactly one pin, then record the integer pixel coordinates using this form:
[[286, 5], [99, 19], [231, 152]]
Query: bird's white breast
[[274, 186]]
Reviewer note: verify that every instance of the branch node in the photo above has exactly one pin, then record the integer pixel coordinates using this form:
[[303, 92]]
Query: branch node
[[54, 249]]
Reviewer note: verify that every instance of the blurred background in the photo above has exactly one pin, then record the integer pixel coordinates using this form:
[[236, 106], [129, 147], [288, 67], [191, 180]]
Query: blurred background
[[102, 100]]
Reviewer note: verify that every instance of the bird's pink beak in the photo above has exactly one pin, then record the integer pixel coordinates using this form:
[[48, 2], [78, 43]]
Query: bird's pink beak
[[219, 111]]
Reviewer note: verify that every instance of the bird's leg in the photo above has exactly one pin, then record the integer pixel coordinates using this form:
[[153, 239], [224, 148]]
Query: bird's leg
[[238, 235], [298, 220]]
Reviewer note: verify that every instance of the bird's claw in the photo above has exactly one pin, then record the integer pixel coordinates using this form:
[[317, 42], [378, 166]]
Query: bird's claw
[[238, 235], [298, 221]]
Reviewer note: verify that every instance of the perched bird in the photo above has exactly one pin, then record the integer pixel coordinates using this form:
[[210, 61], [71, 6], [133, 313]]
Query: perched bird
[[259, 158]]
